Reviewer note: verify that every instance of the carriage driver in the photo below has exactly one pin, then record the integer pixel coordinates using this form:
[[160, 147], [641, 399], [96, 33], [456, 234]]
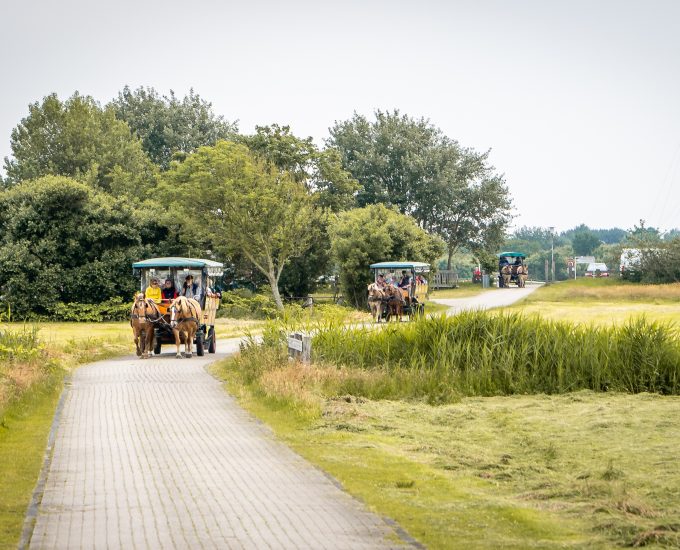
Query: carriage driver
[[405, 280], [153, 291], [191, 289], [380, 281]]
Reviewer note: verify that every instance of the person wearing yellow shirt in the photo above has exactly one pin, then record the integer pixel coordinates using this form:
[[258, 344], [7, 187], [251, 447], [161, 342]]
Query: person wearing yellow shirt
[[153, 291]]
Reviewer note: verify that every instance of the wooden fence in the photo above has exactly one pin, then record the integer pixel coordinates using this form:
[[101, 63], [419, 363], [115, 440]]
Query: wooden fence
[[444, 279]]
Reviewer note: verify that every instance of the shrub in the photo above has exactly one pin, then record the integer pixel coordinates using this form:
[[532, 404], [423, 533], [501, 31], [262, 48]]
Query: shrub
[[243, 304]]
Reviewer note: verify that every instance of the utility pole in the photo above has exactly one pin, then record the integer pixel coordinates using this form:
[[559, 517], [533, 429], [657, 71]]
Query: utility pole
[[552, 254]]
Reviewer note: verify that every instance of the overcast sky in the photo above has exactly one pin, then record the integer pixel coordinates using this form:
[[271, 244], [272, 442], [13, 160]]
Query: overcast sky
[[578, 100]]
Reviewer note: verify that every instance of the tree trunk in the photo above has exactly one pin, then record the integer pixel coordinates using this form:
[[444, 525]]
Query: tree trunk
[[448, 262], [274, 283]]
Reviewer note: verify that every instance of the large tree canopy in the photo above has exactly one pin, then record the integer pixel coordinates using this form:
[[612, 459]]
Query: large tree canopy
[[78, 139], [322, 174], [408, 163], [62, 241], [167, 125], [373, 234], [238, 204], [389, 157]]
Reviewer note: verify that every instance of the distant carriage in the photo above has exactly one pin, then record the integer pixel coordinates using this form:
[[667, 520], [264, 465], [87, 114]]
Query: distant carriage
[[512, 268], [407, 301], [205, 273]]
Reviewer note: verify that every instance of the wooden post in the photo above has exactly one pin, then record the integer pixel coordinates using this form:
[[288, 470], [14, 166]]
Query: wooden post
[[300, 347]]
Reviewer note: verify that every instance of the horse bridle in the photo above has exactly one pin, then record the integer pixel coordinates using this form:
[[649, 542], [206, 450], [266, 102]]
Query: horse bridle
[[173, 311]]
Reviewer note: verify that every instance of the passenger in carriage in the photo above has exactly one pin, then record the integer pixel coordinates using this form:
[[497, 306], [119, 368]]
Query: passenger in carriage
[[169, 291], [191, 289], [153, 291], [380, 281], [405, 281]]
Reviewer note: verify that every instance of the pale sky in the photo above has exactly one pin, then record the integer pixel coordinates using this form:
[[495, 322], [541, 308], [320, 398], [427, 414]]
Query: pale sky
[[578, 100]]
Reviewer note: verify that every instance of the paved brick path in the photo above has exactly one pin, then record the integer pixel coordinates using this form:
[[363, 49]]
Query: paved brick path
[[154, 454]]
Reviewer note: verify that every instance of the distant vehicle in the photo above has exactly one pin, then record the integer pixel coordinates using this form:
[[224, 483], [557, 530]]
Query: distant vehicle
[[631, 260], [477, 275], [597, 269]]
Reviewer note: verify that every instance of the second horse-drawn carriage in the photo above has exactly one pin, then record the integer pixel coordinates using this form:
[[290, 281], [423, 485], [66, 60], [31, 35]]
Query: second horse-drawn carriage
[[204, 274], [398, 288], [512, 268]]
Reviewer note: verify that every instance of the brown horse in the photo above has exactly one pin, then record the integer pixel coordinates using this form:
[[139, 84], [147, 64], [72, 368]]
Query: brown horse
[[185, 315], [376, 299], [506, 274], [395, 302], [141, 320], [522, 275]]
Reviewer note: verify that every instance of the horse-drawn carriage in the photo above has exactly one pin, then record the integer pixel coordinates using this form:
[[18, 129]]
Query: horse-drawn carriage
[[204, 273], [512, 268], [387, 298]]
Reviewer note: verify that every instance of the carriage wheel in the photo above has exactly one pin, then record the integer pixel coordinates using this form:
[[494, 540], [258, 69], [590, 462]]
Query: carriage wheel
[[212, 346], [199, 344]]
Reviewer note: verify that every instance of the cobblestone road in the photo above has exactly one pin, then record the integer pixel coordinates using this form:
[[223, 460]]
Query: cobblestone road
[[154, 454]]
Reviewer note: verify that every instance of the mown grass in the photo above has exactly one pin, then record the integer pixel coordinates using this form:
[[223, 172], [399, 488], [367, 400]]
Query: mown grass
[[603, 302], [579, 470], [610, 290]]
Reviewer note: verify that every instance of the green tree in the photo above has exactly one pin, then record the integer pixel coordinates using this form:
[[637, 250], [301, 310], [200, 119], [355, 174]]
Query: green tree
[[322, 174], [167, 125], [78, 139], [472, 213], [408, 163], [584, 242], [224, 197], [390, 157], [372, 234], [62, 241]]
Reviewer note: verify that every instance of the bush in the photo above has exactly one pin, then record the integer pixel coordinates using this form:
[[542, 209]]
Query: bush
[[244, 304], [114, 309]]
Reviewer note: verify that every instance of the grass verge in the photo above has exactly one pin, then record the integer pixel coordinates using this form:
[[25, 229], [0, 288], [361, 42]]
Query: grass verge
[[581, 470], [24, 428]]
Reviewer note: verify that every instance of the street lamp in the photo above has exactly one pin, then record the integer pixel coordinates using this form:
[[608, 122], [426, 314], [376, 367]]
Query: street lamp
[[552, 254]]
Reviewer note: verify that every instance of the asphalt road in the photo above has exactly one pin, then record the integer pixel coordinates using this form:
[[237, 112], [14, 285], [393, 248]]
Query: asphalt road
[[496, 297]]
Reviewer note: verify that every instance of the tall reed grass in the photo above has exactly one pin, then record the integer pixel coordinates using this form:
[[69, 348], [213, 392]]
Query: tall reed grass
[[478, 353]]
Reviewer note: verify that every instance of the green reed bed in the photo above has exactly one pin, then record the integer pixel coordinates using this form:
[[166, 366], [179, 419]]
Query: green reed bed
[[478, 353]]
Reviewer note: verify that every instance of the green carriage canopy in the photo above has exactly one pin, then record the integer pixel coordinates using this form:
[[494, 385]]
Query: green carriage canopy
[[416, 267], [512, 254], [212, 267]]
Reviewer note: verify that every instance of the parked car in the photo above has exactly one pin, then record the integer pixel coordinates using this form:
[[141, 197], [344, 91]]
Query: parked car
[[597, 269]]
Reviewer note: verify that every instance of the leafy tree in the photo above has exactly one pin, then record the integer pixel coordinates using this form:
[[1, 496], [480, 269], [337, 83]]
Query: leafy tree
[[472, 214], [584, 242], [222, 196], [389, 157], [410, 164], [62, 241], [167, 125], [78, 139], [323, 175], [372, 234], [321, 171]]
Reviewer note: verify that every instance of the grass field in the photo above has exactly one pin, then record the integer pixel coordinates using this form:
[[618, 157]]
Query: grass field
[[603, 301], [581, 470], [464, 290]]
